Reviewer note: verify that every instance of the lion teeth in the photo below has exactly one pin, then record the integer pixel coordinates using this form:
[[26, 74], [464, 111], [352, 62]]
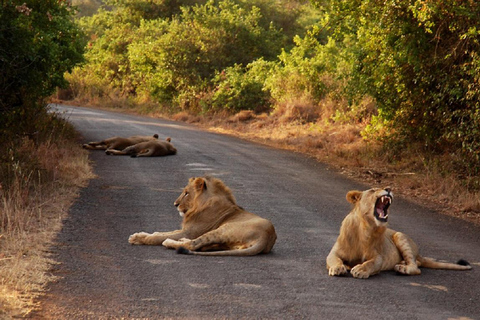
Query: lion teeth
[[386, 200]]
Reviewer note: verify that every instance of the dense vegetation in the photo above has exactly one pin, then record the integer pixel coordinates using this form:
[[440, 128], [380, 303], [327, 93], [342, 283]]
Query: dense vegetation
[[418, 60], [39, 42]]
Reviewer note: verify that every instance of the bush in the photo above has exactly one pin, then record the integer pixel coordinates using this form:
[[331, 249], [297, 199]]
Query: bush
[[238, 88], [301, 70], [39, 42], [140, 51], [419, 60]]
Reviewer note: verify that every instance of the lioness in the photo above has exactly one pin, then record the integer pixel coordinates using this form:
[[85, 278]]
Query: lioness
[[118, 143], [366, 246], [213, 224], [152, 148]]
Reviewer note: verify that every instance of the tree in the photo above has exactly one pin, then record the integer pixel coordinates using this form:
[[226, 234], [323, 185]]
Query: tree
[[39, 42]]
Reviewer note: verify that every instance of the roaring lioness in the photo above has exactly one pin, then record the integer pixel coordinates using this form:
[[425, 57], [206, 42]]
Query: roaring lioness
[[152, 148], [213, 224], [366, 246], [118, 143]]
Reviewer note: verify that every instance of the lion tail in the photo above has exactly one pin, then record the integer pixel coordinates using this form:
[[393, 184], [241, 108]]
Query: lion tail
[[257, 248], [433, 264]]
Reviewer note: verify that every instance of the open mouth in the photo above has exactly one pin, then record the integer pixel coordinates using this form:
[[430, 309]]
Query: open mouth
[[381, 208]]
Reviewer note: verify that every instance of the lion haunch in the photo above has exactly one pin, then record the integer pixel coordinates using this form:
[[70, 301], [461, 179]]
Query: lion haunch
[[152, 148], [366, 246], [118, 143], [213, 224]]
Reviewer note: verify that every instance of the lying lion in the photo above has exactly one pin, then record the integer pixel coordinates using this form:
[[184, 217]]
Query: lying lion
[[366, 246], [118, 143], [213, 224], [152, 148]]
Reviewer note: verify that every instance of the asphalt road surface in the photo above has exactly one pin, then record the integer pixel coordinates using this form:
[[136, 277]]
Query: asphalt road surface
[[104, 277]]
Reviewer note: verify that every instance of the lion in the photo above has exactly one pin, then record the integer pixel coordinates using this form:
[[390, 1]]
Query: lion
[[366, 246], [118, 143], [152, 148], [213, 224]]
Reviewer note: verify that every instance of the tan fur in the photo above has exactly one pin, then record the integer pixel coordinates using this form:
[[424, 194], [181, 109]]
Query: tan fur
[[118, 143], [152, 148], [213, 224], [366, 246]]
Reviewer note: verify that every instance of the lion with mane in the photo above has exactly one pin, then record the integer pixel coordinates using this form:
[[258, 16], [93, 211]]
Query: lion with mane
[[213, 224], [366, 246]]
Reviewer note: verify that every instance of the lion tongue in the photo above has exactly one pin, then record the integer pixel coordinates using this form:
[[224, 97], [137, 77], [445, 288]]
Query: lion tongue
[[381, 213]]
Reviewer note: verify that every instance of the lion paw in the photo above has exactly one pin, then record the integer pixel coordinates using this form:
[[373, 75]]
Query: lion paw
[[359, 272], [337, 270], [169, 243], [138, 238], [407, 269], [175, 244]]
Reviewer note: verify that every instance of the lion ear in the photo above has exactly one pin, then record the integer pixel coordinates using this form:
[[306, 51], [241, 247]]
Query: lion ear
[[353, 196], [200, 184]]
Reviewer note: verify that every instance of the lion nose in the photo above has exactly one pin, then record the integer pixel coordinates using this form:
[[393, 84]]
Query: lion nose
[[388, 189], [176, 204]]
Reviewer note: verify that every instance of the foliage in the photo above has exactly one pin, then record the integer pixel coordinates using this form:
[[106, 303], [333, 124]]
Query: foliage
[[175, 57], [301, 70], [238, 88], [419, 60], [39, 42], [205, 40]]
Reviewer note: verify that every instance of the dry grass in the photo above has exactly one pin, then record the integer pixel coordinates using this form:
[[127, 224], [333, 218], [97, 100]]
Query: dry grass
[[31, 213]]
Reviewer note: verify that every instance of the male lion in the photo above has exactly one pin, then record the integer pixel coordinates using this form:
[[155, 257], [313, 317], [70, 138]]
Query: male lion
[[366, 246], [118, 143], [151, 148], [213, 224]]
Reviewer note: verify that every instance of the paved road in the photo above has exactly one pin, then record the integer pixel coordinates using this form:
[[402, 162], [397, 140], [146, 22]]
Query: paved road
[[103, 277]]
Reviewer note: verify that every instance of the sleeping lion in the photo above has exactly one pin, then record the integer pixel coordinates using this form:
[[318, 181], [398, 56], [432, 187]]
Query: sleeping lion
[[118, 143], [152, 148], [213, 224], [366, 246]]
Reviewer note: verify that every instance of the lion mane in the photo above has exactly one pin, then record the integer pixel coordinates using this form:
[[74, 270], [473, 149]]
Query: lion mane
[[365, 245], [213, 224], [118, 143]]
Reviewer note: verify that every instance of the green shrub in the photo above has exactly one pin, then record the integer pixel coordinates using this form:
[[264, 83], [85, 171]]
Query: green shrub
[[39, 42], [139, 50], [238, 88], [419, 60]]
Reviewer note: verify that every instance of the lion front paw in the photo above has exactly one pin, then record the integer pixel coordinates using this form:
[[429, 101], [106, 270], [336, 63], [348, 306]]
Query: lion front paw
[[359, 272], [337, 270], [170, 244], [138, 238], [174, 244]]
